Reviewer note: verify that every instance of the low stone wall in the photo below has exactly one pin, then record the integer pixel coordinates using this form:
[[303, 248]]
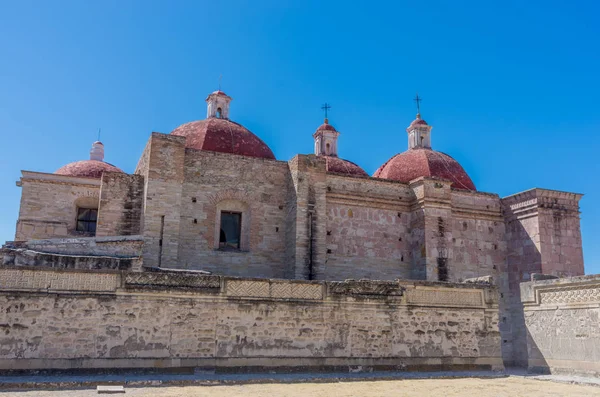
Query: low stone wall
[[95, 253], [61, 319], [25, 257], [117, 246], [562, 318]]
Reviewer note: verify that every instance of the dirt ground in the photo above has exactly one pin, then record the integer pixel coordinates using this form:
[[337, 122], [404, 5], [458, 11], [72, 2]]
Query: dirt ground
[[498, 387]]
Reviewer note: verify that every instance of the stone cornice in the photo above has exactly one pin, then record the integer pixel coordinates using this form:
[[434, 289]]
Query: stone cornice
[[54, 178]]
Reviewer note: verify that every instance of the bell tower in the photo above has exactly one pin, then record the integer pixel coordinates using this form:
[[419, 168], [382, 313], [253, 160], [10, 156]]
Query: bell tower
[[419, 132], [218, 105], [326, 137]]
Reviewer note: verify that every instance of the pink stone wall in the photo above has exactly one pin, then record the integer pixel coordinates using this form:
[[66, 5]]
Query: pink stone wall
[[366, 242]]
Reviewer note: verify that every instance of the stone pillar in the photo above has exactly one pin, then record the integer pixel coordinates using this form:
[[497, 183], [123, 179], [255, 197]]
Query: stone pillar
[[543, 236], [164, 169], [120, 207], [307, 211], [434, 211]]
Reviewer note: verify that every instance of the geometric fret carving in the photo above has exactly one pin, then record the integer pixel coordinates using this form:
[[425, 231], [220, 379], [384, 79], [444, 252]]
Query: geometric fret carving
[[462, 297], [580, 294], [274, 289], [248, 288], [55, 280]]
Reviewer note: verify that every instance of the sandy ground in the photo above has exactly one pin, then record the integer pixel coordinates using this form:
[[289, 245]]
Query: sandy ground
[[509, 387]]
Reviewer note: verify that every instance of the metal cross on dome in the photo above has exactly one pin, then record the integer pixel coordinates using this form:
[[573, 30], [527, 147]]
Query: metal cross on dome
[[326, 107]]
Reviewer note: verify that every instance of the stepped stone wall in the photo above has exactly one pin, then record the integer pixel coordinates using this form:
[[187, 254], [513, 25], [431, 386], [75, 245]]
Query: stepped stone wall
[[65, 319]]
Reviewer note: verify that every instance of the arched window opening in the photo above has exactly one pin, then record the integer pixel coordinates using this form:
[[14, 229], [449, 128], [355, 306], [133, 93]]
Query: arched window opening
[[327, 148], [219, 113]]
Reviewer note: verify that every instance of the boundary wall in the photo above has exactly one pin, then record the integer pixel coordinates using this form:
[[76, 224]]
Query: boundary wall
[[562, 319], [78, 319]]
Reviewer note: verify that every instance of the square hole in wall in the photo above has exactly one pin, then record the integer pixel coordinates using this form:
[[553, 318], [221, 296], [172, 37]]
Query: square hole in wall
[[193, 199]]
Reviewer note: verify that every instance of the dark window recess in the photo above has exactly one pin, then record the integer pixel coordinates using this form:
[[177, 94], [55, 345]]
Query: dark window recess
[[442, 269], [86, 220], [193, 199], [231, 228]]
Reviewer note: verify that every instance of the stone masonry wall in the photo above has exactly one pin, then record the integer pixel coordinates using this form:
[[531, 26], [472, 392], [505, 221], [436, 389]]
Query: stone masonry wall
[[368, 224], [562, 320], [543, 236], [163, 170], [74, 319], [49, 204], [120, 210], [257, 188]]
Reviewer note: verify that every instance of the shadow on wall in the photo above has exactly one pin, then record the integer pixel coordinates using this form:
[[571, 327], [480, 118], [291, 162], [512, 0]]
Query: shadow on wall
[[523, 259]]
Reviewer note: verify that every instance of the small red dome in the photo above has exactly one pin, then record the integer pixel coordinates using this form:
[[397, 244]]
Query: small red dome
[[419, 162], [222, 135], [326, 127], [87, 169], [417, 121], [341, 166]]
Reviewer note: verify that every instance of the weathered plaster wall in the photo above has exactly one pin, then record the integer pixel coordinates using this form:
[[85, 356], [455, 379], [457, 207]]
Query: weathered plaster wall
[[257, 188], [120, 209], [49, 204], [562, 319], [184, 320]]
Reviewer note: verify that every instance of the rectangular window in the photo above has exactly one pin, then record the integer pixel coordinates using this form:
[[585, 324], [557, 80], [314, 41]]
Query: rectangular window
[[231, 228], [442, 269], [86, 220]]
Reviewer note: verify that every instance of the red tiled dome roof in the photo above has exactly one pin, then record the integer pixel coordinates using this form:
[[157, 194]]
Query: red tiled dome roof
[[222, 135], [326, 127], [87, 169], [417, 121], [341, 166], [419, 162]]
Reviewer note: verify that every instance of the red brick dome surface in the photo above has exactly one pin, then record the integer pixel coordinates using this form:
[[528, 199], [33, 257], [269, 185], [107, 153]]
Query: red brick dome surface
[[416, 163], [326, 127], [221, 135], [341, 166], [87, 169]]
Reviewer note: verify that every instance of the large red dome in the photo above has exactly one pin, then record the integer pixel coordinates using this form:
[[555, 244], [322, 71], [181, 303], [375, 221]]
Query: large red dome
[[419, 162], [87, 169], [341, 166], [222, 135]]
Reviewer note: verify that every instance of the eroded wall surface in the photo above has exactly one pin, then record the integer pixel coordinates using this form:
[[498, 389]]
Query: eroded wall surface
[[562, 319], [125, 319]]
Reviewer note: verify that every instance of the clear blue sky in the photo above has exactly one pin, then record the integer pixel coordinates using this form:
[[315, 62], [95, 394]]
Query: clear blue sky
[[511, 87]]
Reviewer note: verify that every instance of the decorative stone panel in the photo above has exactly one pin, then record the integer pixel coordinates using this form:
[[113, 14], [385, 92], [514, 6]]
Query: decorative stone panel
[[62, 281], [365, 288], [247, 288], [445, 297], [578, 294], [170, 280]]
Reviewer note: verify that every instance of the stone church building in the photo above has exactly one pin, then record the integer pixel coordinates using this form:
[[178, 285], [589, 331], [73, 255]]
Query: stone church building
[[211, 196]]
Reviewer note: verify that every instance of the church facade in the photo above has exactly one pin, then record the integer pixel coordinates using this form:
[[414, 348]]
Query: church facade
[[212, 196]]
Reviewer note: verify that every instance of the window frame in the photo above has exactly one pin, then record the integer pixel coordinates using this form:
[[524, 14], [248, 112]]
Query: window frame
[[224, 245], [86, 222]]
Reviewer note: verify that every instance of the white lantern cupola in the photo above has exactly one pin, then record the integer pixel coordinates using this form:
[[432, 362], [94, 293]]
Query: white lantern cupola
[[326, 137], [97, 152], [419, 132], [218, 105]]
